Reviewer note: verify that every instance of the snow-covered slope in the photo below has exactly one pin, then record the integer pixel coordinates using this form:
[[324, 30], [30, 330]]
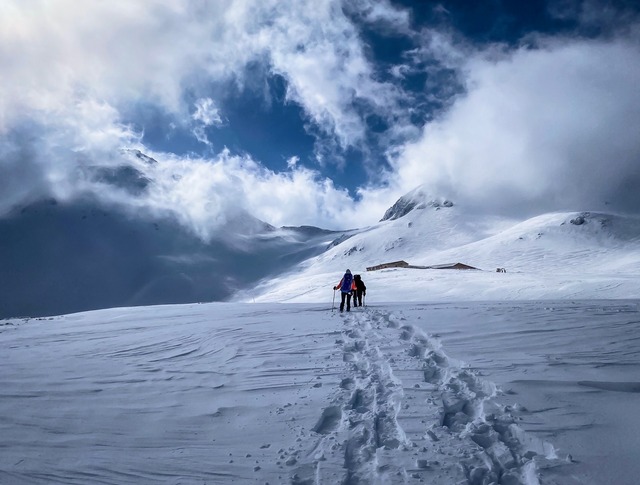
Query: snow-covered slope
[[432, 388], [559, 242], [517, 393], [548, 256]]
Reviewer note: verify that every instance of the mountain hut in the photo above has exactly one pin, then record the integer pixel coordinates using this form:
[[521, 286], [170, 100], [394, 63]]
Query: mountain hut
[[393, 264]]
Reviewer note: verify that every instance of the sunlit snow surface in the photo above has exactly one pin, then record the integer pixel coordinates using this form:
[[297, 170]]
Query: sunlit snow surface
[[444, 393], [545, 257]]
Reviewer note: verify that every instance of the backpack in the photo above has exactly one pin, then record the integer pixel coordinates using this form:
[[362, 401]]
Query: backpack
[[347, 279]]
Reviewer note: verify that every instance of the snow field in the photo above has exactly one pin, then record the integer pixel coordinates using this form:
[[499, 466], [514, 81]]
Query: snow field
[[270, 393], [546, 257]]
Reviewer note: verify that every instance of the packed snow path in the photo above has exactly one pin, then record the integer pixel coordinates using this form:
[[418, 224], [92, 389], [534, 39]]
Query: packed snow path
[[406, 413]]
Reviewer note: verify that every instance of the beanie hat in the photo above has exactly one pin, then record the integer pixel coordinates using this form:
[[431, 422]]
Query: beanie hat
[[348, 271]]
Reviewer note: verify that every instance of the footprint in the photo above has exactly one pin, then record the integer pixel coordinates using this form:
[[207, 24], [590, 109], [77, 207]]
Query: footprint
[[432, 373], [386, 431], [406, 332], [417, 350], [347, 383], [360, 401], [348, 357], [329, 420]]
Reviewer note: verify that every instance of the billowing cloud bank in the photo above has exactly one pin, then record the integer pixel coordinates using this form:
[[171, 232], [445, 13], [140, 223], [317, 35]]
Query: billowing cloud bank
[[553, 126], [550, 128]]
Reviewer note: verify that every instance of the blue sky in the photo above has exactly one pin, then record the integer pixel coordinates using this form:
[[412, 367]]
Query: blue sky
[[322, 112]]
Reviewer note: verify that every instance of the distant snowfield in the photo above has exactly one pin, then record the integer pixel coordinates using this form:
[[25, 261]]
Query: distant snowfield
[[511, 392], [546, 257]]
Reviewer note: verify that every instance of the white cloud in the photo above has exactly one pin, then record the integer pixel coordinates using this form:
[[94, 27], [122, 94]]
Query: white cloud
[[58, 55], [71, 69], [207, 112], [293, 162], [114, 51], [544, 129], [203, 193], [317, 49], [205, 115], [556, 126], [552, 128]]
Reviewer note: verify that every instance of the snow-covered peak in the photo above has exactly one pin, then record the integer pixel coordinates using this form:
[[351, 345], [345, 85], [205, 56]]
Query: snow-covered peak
[[241, 223], [135, 154], [417, 199]]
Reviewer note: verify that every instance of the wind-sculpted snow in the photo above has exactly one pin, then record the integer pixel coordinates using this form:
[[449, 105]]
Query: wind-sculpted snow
[[298, 394]]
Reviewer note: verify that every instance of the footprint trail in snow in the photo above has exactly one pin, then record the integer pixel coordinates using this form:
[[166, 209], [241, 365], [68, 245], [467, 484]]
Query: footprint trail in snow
[[404, 412]]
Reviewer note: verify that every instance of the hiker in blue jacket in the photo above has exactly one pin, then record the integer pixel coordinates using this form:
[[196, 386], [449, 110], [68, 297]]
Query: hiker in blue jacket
[[345, 289]]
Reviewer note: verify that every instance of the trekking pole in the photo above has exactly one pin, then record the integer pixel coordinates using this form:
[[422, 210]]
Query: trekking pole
[[334, 299], [364, 300]]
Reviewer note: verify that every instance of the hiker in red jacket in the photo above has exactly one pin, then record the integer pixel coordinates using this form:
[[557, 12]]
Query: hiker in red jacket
[[359, 289], [345, 290]]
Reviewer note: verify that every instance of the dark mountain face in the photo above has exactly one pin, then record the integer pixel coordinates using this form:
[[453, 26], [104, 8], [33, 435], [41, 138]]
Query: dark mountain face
[[61, 258]]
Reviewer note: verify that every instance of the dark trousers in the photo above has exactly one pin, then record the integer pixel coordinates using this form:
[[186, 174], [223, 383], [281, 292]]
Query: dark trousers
[[357, 297], [346, 296]]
